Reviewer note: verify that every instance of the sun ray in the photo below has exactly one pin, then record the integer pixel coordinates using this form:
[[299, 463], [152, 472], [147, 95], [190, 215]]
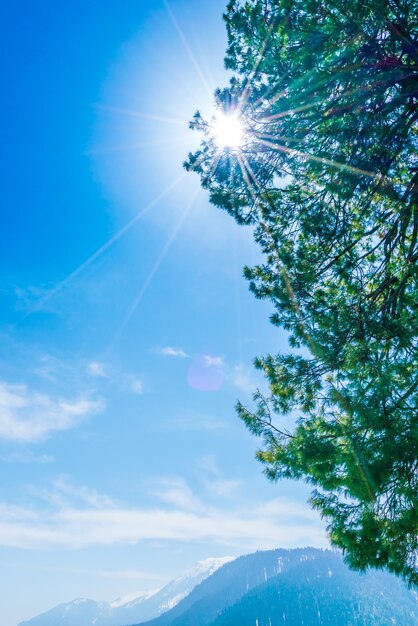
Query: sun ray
[[216, 160], [136, 146], [305, 107], [188, 49], [282, 266], [263, 135], [314, 346], [246, 92], [268, 136], [154, 270], [250, 170], [110, 242], [324, 161], [237, 274], [277, 96], [246, 177], [145, 116], [247, 182]]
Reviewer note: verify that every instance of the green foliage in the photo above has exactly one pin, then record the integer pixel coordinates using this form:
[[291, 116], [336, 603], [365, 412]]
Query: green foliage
[[328, 177]]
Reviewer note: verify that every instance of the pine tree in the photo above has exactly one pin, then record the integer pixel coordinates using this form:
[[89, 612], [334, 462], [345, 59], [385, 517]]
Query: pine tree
[[327, 174]]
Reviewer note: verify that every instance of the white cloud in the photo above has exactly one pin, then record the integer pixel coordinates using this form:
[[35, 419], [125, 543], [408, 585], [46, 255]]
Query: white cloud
[[243, 378], [136, 386], [95, 368], [47, 371], [213, 361], [29, 416], [223, 487], [214, 481], [122, 380], [170, 351], [209, 464], [81, 493], [280, 522], [175, 491], [94, 526]]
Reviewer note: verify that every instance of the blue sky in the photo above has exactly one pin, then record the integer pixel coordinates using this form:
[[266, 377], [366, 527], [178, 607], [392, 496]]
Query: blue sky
[[128, 332]]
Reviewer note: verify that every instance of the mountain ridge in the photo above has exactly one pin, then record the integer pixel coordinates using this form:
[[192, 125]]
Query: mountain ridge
[[303, 579], [282, 587], [140, 606]]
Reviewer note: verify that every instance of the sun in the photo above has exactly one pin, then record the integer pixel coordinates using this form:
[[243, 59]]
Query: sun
[[228, 131]]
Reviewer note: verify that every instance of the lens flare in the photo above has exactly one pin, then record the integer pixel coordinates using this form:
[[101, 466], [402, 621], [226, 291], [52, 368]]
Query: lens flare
[[206, 373], [228, 131]]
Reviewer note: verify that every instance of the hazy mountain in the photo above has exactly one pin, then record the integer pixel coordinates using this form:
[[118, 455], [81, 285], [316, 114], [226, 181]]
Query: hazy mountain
[[324, 592], [80, 612], [128, 609], [294, 587], [297, 587], [164, 599]]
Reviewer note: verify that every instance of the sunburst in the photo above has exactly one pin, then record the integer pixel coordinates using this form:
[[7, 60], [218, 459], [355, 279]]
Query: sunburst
[[228, 130]]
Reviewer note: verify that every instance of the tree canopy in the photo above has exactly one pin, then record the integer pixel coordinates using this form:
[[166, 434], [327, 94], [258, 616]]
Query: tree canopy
[[327, 174]]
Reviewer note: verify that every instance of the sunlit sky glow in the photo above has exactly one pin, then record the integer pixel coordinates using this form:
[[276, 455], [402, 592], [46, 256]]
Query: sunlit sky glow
[[228, 130], [128, 332]]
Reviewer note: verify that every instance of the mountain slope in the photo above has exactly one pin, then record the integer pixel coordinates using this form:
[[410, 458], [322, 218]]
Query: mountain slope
[[164, 599], [293, 587], [80, 612], [325, 593], [134, 608], [229, 584]]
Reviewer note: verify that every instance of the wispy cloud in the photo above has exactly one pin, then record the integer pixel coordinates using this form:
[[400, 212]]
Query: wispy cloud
[[224, 487], [213, 478], [280, 522], [213, 361], [175, 352], [124, 381], [243, 378], [95, 368], [136, 386], [176, 492], [26, 456], [54, 370], [111, 574], [30, 416], [126, 574], [196, 422], [81, 493]]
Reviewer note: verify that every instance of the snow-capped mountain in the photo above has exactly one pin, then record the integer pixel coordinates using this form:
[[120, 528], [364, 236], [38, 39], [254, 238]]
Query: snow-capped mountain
[[132, 598], [176, 590], [292, 587], [130, 609]]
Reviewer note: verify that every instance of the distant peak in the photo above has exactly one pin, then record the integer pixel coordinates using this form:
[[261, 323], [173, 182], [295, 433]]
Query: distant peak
[[78, 601], [204, 566], [216, 560], [133, 597]]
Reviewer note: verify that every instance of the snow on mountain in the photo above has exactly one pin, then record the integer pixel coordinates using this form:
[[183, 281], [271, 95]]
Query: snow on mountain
[[130, 609], [176, 590], [133, 598], [300, 586], [79, 612]]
